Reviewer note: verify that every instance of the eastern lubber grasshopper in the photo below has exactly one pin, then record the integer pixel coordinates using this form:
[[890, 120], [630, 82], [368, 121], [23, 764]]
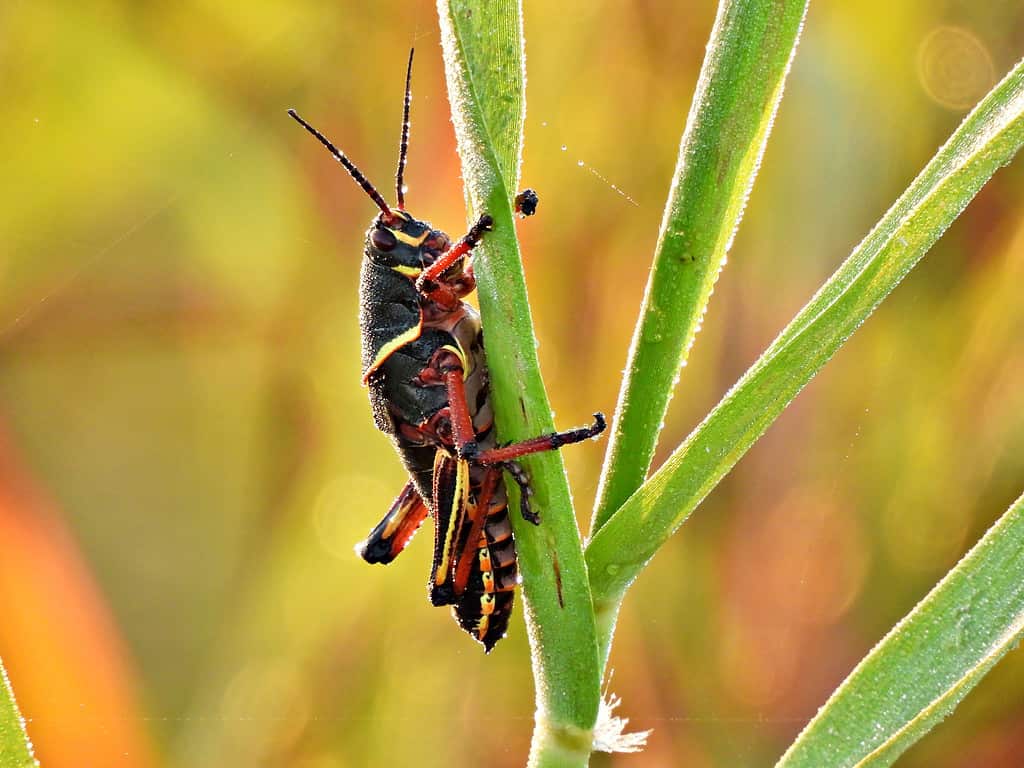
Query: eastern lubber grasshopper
[[423, 361]]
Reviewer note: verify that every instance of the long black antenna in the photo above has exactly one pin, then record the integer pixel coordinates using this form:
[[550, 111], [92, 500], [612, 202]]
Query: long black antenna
[[349, 165], [403, 147]]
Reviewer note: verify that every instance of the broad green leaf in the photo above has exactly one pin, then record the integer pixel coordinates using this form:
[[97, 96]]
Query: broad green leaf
[[740, 85], [483, 52], [15, 748], [928, 662], [986, 140]]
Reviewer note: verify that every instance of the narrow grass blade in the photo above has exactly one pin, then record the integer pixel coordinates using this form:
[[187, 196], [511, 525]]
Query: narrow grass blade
[[987, 139], [15, 748], [483, 51], [740, 85], [924, 667]]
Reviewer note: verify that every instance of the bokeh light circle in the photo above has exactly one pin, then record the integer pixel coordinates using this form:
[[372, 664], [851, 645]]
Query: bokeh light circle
[[954, 67]]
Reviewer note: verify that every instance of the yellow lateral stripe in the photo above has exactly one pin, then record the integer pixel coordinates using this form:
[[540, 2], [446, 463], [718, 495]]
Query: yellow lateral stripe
[[462, 358], [395, 518], [458, 504], [407, 271], [439, 572], [415, 242], [396, 343]]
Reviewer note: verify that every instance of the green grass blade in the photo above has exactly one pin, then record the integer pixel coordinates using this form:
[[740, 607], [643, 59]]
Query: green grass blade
[[987, 139], [928, 662], [740, 85], [15, 748], [483, 51]]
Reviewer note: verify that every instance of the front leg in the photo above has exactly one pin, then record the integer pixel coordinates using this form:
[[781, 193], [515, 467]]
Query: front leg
[[429, 282]]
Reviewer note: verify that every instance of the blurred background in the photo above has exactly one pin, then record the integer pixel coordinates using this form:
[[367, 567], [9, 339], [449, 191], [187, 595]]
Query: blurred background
[[187, 456]]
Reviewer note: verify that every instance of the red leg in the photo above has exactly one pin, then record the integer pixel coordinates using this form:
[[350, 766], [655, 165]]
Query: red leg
[[471, 452], [462, 422], [387, 540], [428, 279], [465, 436]]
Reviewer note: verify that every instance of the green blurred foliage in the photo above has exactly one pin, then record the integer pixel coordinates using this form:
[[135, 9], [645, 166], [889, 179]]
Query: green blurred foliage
[[179, 366]]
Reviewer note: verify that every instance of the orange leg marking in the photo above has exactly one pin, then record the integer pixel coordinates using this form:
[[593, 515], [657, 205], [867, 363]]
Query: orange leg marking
[[481, 508]]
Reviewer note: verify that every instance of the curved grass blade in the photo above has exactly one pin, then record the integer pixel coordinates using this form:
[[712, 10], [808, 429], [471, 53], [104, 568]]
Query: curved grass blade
[[928, 662], [15, 748], [738, 93], [483, 52], [987, 139]]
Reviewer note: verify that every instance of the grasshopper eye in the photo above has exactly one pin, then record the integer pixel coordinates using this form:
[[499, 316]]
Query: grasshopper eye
[[383, 240]]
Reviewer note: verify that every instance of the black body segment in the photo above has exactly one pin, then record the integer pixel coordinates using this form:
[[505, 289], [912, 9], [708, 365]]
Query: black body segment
[[389, 313]]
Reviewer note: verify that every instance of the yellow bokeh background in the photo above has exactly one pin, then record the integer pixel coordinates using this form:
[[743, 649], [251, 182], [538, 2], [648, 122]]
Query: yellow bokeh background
[[187, 457]]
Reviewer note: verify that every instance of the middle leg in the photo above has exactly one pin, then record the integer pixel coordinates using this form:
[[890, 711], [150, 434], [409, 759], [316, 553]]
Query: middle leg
[[467, 448]]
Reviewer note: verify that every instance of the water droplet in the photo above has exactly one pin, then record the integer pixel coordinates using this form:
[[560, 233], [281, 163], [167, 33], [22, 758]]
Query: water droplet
[[612, 569], [579, 163], [564, 147], [544, 124]]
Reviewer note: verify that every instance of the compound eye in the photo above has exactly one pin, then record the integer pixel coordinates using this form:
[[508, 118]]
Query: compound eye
[[383, 239]]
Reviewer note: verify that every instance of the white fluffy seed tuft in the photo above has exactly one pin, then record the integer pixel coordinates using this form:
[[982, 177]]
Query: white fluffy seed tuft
[[609, 733]]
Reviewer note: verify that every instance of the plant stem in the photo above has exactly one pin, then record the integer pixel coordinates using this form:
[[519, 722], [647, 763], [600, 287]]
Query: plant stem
[[741, 82], [483, 52]]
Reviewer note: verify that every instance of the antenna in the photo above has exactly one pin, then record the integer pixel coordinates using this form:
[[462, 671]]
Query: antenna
[[349, 165], [403, 147]]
